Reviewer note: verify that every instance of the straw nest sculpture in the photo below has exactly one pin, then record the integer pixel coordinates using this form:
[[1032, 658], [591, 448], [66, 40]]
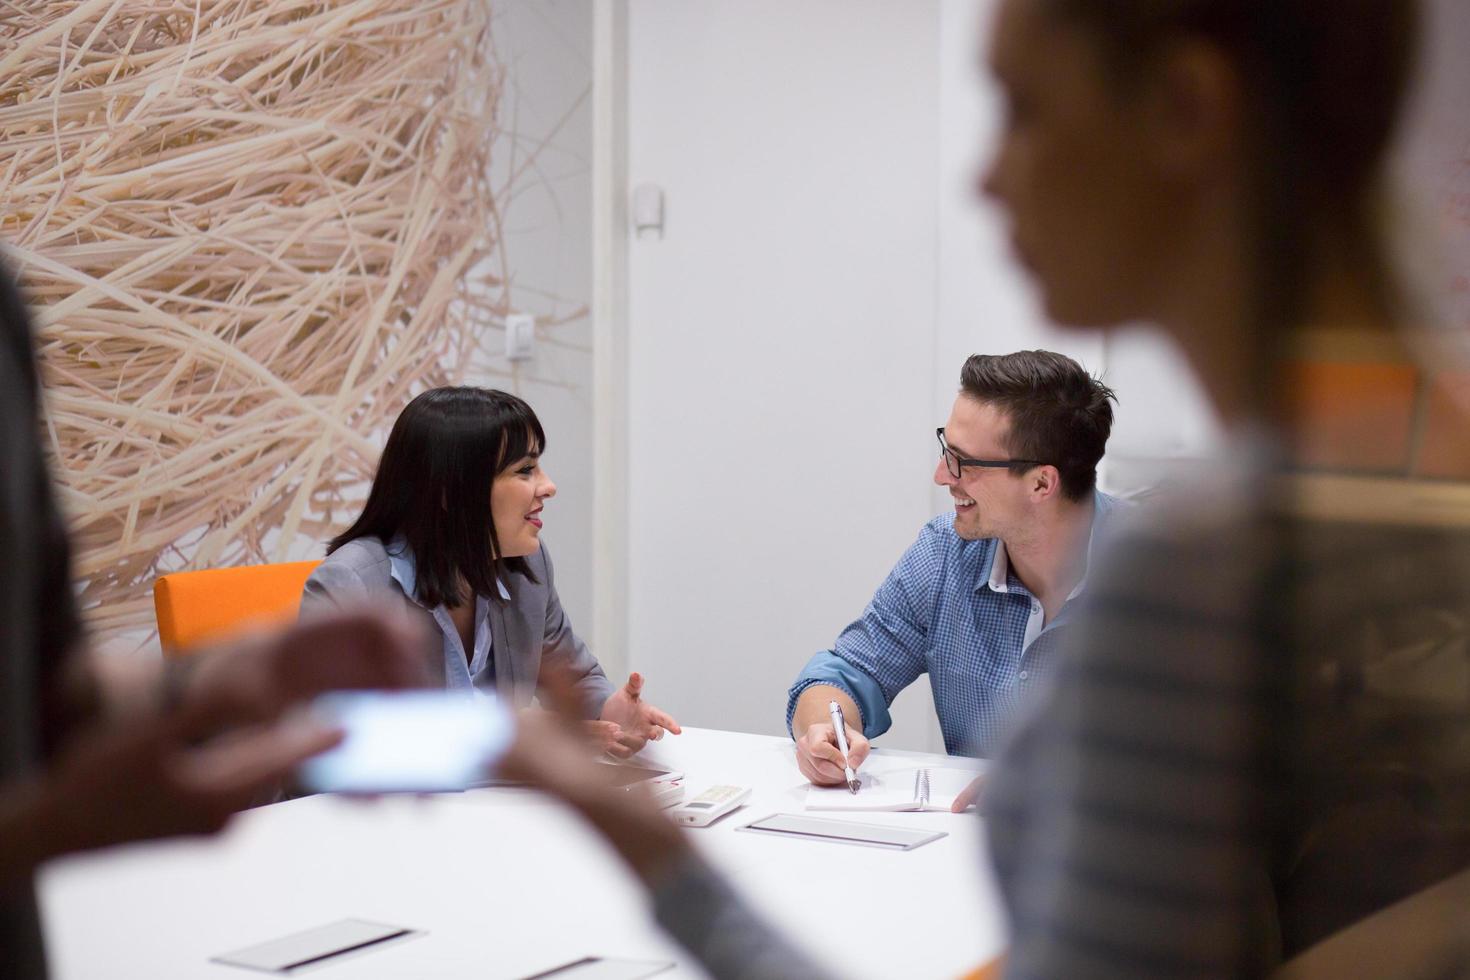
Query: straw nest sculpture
[[250, 230]]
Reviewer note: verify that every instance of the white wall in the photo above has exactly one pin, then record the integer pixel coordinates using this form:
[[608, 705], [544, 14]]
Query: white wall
[[797, 334], [778, 452], [545, 159], [985, 306]]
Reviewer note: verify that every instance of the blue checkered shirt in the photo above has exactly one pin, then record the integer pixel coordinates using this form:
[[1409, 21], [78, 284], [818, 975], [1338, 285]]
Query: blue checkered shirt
[[937, 613]]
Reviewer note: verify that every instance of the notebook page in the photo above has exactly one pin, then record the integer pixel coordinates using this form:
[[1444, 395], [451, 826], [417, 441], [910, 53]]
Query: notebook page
[[878, 791], [946, 783], [896, 789]]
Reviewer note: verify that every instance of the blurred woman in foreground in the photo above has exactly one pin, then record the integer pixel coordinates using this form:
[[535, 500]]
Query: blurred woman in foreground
[[1255, 747], [1238, 760]]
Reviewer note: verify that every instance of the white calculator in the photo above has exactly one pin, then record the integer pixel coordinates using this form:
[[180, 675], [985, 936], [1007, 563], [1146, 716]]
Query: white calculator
[[710, 805]]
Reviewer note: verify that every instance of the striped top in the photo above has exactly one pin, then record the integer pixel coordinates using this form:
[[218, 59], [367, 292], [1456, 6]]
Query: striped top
[[1259, 738]]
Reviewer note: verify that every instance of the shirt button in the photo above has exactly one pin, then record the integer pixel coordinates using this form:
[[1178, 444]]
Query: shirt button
[[1036, 607], [1025, 674]]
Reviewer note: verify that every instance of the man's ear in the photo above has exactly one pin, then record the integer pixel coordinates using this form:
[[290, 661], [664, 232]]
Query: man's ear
[[1046, 482]]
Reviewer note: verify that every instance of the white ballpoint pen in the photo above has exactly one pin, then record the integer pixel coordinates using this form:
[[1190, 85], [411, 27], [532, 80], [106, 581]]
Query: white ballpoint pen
[[835, 710]]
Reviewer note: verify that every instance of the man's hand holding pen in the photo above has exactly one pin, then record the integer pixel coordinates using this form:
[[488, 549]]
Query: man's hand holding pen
[[839, 728], [820, 758]]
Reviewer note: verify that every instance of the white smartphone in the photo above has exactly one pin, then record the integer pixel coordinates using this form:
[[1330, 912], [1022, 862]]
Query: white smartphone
[[408, 741], [665, 786], [710, 805]]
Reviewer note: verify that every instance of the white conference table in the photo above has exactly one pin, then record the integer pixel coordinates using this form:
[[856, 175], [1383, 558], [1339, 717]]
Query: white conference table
[[506, 883]]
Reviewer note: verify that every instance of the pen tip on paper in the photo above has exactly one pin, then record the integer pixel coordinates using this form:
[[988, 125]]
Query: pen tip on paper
[[853, 784]]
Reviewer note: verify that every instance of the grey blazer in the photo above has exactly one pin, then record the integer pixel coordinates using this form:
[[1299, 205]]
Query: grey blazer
[[528, 632]]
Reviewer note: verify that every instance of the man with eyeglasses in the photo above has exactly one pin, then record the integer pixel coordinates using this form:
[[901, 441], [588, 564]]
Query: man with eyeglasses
[[980, 600]]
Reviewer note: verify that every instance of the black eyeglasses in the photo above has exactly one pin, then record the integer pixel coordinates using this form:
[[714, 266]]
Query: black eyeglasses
[[956, 463]]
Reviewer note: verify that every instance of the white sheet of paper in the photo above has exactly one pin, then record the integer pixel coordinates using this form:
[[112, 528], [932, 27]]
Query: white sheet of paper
[[892, 790]]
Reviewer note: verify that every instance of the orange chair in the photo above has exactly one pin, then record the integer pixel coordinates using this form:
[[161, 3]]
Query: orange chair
[[987, 971], [194, 608]]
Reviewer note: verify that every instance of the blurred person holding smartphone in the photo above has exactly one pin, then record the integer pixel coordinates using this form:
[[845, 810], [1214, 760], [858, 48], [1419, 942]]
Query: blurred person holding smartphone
[[95, 753], [451, 536]]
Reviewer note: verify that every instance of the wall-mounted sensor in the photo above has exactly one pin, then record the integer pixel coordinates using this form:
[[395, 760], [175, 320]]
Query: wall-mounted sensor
[[648, 210], [520, 336]]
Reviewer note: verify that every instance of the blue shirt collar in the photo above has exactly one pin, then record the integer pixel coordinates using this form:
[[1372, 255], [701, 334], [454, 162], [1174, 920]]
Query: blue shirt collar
[[403, 570], [997, 568]]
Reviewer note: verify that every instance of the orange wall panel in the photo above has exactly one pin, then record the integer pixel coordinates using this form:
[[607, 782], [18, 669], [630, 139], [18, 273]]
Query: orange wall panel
[[1445, 450], [1355, 416]]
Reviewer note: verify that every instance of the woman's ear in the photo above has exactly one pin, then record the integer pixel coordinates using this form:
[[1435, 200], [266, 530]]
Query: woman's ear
[[1196, 103]]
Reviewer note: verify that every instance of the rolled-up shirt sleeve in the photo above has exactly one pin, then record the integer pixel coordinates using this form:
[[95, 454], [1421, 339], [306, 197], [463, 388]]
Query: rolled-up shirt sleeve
[[885, 649]]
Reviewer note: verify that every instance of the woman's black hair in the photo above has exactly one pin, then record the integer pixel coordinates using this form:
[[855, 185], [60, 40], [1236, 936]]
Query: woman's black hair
[[1324, 83], [433, 485]]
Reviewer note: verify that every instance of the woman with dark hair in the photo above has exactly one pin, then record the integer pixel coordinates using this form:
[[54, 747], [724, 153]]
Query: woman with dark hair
[[452, 531]]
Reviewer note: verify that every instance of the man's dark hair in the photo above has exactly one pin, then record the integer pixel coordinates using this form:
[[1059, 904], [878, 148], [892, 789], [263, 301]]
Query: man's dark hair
[[433, 488], [1059, 414]]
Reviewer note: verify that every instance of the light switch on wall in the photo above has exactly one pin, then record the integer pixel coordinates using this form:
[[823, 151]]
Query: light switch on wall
[[520, 336], [648, 210]]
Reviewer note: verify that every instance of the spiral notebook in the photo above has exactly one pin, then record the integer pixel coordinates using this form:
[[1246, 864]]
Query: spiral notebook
[[929, 788]]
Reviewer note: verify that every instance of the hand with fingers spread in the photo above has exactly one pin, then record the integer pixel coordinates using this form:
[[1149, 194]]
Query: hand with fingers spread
[[819, 758], [639, 721]]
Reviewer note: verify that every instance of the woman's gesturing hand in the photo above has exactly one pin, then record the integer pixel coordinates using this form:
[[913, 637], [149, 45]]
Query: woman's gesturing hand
[[639, 721]]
